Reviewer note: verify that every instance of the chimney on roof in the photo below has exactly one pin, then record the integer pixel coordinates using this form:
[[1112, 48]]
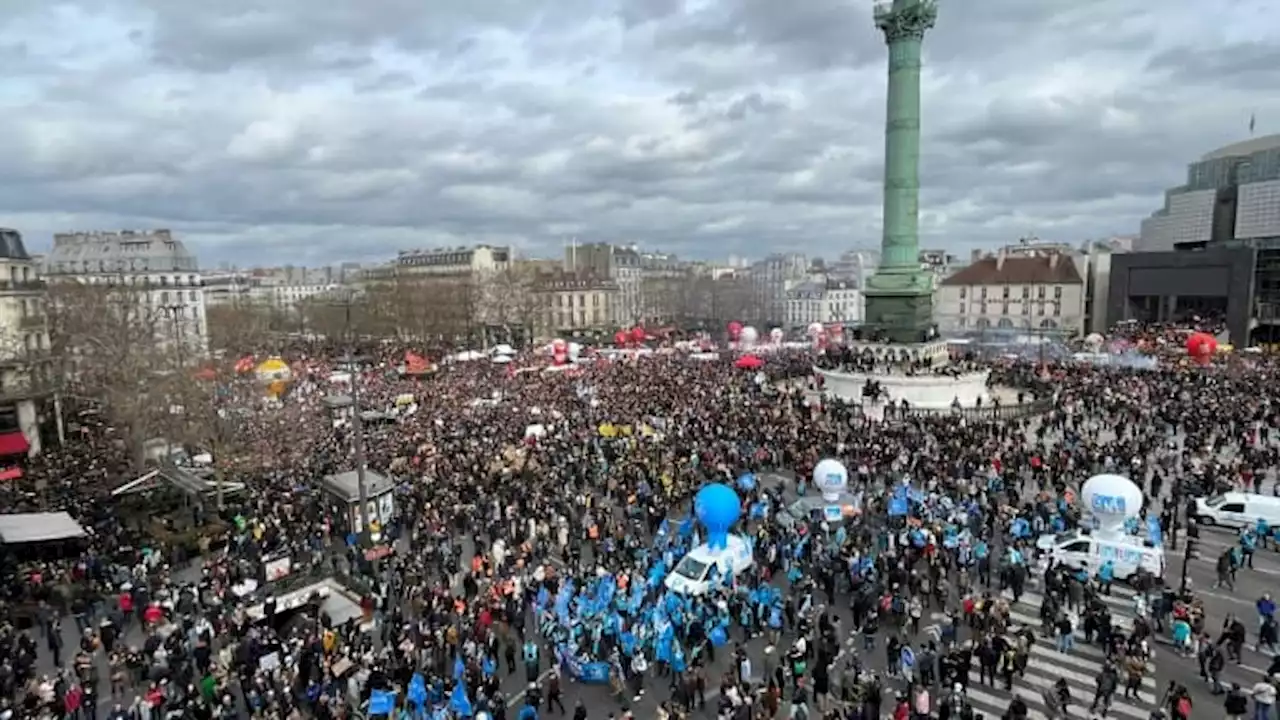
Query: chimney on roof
[[1000, 256], [1053, 260]]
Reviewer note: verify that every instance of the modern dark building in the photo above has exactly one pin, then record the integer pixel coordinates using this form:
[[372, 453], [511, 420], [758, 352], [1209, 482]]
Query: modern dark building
[[1213, 250]]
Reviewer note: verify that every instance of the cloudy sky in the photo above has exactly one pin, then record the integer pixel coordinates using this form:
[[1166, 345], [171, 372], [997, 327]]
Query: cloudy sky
[[271, 131]]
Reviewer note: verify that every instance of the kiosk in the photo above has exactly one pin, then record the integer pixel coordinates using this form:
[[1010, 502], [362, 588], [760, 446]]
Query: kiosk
[[342, 492]]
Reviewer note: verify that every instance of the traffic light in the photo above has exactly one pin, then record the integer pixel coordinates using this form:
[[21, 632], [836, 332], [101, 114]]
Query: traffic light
[[1190, 552]]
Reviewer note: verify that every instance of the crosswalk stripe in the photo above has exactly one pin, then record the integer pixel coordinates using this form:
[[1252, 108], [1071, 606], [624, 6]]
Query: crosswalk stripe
[[984, 701], [1052, 657], [1080, 667], [1034, 624]]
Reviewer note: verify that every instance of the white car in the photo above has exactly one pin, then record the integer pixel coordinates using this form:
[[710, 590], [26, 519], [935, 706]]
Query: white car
[[692, 575], [1238, 510], [1089, 551]]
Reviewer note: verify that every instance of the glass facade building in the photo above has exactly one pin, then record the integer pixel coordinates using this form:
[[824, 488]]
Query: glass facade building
[[1231, 194]]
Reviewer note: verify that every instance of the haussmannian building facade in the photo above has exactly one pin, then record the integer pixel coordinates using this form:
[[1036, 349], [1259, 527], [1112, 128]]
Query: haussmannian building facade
[[574, 304]]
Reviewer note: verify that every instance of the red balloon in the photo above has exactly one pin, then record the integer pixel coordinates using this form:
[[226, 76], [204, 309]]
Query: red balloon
[[620, 338], [1201, 345], [735, 329], [638, 334]]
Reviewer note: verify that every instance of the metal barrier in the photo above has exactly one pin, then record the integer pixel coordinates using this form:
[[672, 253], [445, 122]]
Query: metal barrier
[[992, 412]]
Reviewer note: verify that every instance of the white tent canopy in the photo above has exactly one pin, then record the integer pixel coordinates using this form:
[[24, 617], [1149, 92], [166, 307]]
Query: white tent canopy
[[38, 527]]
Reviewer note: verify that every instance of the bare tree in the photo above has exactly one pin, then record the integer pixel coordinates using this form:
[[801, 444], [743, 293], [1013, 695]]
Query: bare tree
[[508, 302], [241, 328], [106, 340]]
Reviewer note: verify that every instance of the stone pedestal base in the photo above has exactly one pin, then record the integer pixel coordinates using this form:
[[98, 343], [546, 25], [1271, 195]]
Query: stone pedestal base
[[932, 392]]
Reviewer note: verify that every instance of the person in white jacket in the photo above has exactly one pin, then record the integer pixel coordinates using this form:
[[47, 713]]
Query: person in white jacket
[[1264, 699]]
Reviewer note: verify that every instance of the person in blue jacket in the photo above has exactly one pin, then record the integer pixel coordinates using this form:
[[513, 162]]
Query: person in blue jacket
[[1248, 544], [1266, 608], [1106, 576]]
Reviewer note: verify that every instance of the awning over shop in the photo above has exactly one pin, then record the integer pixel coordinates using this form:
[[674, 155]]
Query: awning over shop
[[14, 443], [38, 527]]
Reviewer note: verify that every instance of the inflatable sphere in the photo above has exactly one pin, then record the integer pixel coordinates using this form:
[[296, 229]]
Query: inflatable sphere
[[620, 338], [717, 507], [830, 477], [748, 336], [735, 330], [815, 330], [1201, 345], [775, 336], [638, 334], [1111, 500]]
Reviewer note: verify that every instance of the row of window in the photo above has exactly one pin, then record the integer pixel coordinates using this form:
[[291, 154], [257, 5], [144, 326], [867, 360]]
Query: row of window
[[568, 320], [965, 308], [1006, 293], [1004, 324], [566, 301]]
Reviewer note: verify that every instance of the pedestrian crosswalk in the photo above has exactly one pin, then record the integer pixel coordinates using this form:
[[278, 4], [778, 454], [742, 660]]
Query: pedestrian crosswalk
[[1080, 667]]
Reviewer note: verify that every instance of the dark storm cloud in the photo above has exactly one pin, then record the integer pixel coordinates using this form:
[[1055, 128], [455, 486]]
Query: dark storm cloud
[[270, 131], [1251, 66]]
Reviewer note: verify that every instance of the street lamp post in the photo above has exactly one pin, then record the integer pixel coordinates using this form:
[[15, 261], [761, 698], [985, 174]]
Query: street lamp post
[[357, 430]]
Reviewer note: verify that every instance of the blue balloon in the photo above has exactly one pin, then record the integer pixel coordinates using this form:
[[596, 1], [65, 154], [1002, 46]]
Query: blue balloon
[[717, 507]]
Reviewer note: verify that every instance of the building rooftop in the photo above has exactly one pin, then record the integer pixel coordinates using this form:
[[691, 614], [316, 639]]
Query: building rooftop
[[1038, 270], [127, 251], [1244, 148], [11, 247]]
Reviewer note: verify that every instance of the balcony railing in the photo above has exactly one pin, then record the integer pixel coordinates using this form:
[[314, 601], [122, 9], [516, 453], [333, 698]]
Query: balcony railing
[[33, 322], [22, 286]]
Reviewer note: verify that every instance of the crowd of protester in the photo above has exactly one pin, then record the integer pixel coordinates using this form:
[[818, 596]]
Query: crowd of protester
[[163, 629]]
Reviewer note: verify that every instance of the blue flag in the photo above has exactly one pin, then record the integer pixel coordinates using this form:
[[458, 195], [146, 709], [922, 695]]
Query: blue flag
[[718, 636], [459, 702], [899, 502], [686, 526], [1154, 533], [417, 692], [458, 668], [382, 702]]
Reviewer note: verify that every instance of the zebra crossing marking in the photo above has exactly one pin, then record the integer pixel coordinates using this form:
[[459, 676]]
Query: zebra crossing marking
[[1045, 666]]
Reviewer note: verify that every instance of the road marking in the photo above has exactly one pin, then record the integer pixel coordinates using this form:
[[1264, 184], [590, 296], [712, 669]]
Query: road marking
[[1220, 596], [515, 699]]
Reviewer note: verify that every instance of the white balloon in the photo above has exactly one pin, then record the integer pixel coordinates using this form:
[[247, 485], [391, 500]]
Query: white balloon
[[815, 329], [831, 477], [775, 336], [749, 336], [1111, 500]]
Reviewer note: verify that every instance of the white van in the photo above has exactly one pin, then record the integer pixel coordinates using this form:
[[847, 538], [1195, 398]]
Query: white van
[[692, 575], [1238, 510], [1081, 549]]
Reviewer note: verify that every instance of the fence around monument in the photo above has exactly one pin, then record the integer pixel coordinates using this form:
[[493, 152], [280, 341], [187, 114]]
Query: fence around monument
[[1010, 411]]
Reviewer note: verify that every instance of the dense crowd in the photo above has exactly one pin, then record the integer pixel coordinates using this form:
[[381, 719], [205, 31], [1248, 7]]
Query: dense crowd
[[499, 529]]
